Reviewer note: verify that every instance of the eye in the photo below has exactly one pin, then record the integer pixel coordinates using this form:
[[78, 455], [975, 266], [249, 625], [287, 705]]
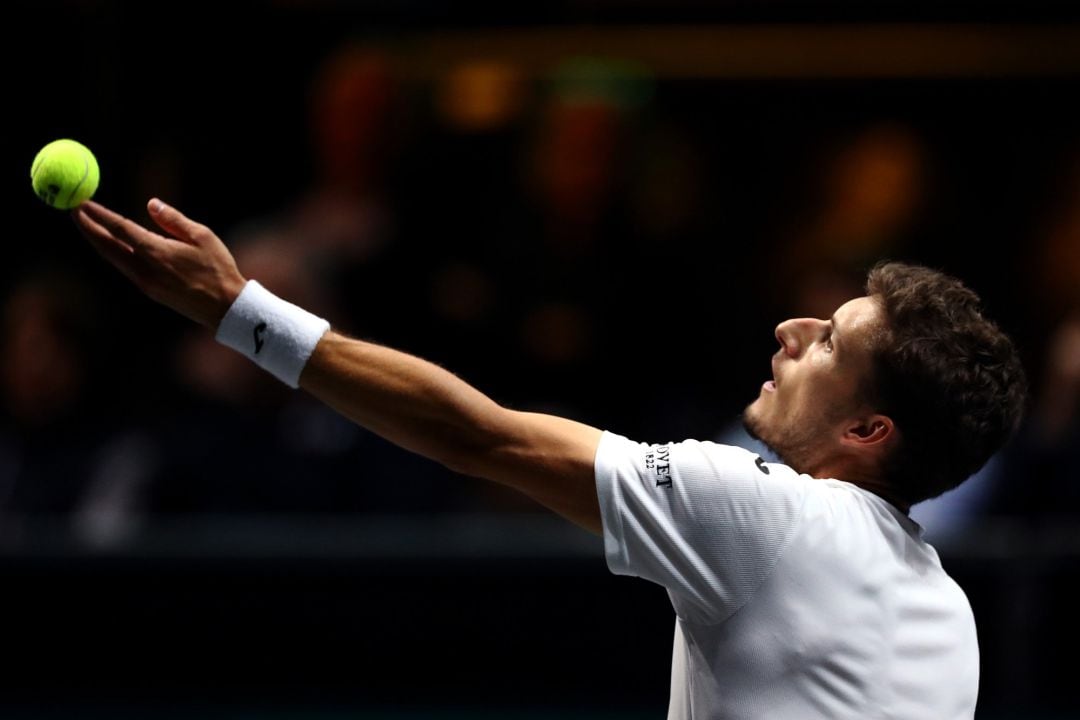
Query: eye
[[828, 342]]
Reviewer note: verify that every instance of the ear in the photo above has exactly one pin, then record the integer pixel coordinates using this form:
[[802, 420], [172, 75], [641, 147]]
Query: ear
[[870, 432]]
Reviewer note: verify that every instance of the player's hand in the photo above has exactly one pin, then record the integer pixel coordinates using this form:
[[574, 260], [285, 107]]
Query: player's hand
[[188, 269]]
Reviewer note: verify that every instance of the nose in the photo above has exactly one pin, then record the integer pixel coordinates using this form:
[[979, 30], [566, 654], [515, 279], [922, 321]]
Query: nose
[[795, 335]]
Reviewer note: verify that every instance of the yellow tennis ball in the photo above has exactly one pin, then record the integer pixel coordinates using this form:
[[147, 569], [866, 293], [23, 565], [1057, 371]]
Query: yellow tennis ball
[[65, 174]]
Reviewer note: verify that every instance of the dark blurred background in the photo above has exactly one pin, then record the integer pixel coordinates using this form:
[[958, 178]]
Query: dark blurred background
[[590, 208]]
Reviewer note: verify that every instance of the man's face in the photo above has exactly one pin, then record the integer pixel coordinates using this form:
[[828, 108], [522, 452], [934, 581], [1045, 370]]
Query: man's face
[[803, 411]]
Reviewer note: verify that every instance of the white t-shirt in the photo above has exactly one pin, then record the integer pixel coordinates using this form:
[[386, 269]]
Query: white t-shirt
[[795, 598]]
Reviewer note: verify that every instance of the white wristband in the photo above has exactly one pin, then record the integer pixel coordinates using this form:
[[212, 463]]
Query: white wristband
[[276, 335]]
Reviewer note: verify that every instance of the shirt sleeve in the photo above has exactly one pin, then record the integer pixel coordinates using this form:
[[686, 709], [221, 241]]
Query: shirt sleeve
[[708, 522]]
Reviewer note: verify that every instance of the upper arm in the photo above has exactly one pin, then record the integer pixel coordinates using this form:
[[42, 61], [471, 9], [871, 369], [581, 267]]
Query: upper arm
[[706, 521], [550, 459]]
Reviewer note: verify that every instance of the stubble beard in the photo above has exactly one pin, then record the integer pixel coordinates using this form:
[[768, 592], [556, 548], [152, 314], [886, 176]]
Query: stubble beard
[[795, 448]]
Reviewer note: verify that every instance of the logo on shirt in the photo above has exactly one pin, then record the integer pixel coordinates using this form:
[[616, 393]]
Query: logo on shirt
[[260, 329], [658, 460], [761, 465]]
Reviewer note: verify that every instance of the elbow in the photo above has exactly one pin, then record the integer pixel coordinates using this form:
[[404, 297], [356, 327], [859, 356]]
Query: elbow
[[475, 460], [460, 462], [481, 451]]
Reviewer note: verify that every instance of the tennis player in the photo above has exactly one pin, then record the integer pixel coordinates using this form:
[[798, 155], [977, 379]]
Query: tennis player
[[801, 590]]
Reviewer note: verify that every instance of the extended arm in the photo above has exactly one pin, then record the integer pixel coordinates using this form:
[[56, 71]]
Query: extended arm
[[423, 408], [402, 398]]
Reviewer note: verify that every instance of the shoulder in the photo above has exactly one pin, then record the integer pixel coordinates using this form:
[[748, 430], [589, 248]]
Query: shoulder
[[689, 458], [704, 487]]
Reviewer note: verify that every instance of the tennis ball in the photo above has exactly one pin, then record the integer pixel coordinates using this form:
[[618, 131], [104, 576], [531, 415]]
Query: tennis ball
[[65, 174]]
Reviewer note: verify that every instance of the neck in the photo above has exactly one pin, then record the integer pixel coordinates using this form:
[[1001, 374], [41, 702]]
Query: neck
[[887, 494], [869, 482]]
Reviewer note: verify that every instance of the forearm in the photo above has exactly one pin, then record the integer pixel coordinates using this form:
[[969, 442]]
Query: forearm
[[423, 408], [409, 401]]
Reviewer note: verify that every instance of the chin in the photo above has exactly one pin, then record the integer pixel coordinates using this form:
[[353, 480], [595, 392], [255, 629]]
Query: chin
[[755, 426], [752, 422]]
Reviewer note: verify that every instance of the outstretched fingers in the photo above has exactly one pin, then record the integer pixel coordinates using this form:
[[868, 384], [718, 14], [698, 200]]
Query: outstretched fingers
[[107, 245], [130, 233], [191, 272], [176, 223]]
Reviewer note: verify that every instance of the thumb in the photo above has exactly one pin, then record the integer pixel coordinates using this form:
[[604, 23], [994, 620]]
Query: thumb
[[173, 221]]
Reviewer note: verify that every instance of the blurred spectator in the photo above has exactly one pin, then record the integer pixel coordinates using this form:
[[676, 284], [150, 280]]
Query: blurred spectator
[[463, 183], [1044, 467], [1044, 462], [522, 226], [571, 260], [1057, 413], [341, 225], [867, 199], [66, 461], [1055, 280], [480, 96]]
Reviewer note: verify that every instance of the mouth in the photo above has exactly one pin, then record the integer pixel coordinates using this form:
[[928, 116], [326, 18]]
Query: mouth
[[770, 385]]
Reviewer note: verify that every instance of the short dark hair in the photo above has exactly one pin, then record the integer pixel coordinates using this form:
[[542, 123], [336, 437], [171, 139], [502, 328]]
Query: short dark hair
[[949, 378]]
